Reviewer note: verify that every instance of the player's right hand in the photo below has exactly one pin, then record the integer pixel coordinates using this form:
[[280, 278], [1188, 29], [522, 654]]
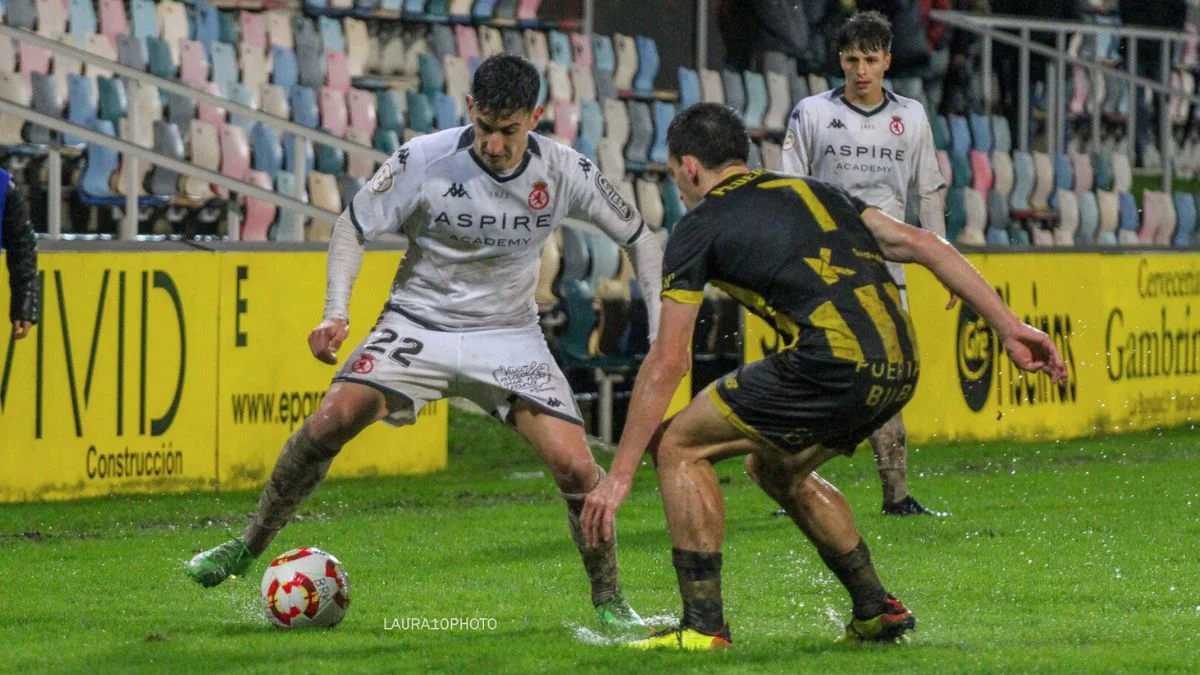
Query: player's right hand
[[326, 339], [1032, 350]]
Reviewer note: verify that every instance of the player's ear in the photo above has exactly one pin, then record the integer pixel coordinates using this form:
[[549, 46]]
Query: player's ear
[[536, 115], [470, 105], [691, 168]]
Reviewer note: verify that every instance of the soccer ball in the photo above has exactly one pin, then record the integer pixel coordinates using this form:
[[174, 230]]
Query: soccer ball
[[305, 587]]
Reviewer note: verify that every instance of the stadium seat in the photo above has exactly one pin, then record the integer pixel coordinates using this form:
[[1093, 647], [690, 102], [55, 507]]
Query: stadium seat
[[275, 101], [1081, 167], [310, 63], [960, 133], [1043, 181], [537, 48], [648, 63], [253, 29], [445, 113], [420, 112], [1128, 219], [650, 202], [941, 132], [360, 48], [756, 99], [817, 84], [956, 212], [337, 71], [981, 172], [1186, 213], [113, 21], [605, 257], [610, 157], [235, 154], [95, 183], [258, 215], [591, 122], [1023, 181], [204, 149], [1121, 172], [433, 78], [323, 193], [1153, 216], [254, 68], [306, 34], [173, 25], [514, 42], [389, 115], [973, 232], [359, 164], [113, 104], [581, 50], [144, 18], [193, 64], [286, 71], [204, 25], [52, 18], [289, 224], [1001, 134], [797, 85], [712, 86], [999, 219], [1064, 174], [81, 24], [332, 108], [467, 41], [214, 115], [491, 42], [641, 134], [1165, 233], [780, 105], [1089, 219], [566, 121], [97, 45], [1102, 171], [305, 111], [224, 65], [82, 107], [981, 133], [363, 116], [279, 29], [1109, 206], [735, 91], [267, 154], [558, 83], [689, 87], [1068, 217], [673, 208], [583, 84], [1002, 173], [330, 31], [627, 62], [561, 51], [960, 165], [754, 160], [386, 140], [663, 114], [616, 121]]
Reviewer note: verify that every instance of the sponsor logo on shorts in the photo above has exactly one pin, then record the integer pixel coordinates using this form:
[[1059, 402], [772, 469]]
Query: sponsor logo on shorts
[[539, 197], [534, 377], [618, 204], [364, 365], [554, 403]]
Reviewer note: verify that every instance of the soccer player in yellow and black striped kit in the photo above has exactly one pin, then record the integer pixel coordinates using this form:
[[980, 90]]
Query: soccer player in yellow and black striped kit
[[809, 258]]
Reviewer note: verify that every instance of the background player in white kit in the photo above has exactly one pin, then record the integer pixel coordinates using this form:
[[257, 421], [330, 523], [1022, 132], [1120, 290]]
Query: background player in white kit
[[879, 147], [476, 204]]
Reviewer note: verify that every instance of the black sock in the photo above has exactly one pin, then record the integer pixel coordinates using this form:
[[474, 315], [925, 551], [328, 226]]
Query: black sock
[[700, 585], [857, 574]]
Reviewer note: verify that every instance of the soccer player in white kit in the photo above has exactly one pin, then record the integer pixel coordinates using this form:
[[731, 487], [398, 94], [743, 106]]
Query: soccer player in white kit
[[476, 204], [879, 147]]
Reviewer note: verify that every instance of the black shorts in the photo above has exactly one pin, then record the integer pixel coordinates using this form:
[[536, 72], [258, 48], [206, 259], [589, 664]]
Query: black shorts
[[792, 402]]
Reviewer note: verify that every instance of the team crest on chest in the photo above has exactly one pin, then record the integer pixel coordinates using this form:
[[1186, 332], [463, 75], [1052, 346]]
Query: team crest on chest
[[539, 196], [897, 125]]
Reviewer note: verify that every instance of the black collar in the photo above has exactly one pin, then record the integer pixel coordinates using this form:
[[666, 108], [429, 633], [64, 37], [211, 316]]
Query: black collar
[[467, 141], [888, 97]]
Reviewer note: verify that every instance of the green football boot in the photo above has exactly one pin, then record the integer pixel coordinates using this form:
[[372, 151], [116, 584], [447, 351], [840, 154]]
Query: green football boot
[[215, 565]]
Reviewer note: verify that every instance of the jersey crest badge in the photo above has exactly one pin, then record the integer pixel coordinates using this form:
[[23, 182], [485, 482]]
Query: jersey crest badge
[[364, 364], [897, 126], [382, 181], [789, 140], [539, 197]]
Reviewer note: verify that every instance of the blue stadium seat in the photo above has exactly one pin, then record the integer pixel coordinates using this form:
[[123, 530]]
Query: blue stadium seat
[[387, 111], [289, 155], [956, 212], [266, 151], [1103, 171], [445, 112], [224, 65], [960, 133], [310, 62], [304, 107], [420, 112], [999, 220], [102, 162], [1064, 172], [756, 99], [506, 9], [1129, 220], [181, 110], [483, 10], [735, 91], [47, 100], [647, 70], [164, 182], [560, 48], [81, 106], [414, 8], [689, 87], [330, 30], [962, 175], [228, 33], [587, 147], [1001, 134], [1023, 179], [433, 78], [1089, 219], [386, 140], [591, 122], [663, 114], [240, 93], [203, 24], [289, 225], [144, 19], [673, 208], [159, 59], [81, 24], [604, 57], [113, 105], [1185, 212], [981, 133], [329, 159], [941, 132], [443, 42], [131, 52]]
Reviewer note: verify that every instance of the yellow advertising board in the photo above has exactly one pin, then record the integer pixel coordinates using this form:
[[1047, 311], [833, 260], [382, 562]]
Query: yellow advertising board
[[269, 381], [156, 371], [1128, 326], [114, 390]]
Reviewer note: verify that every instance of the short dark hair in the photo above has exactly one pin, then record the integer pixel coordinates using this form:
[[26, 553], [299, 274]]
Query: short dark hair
[[505, 84], [710, 132], [867, 32]]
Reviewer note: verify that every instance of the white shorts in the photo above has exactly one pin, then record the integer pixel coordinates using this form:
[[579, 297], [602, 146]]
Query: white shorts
[[493, 368]]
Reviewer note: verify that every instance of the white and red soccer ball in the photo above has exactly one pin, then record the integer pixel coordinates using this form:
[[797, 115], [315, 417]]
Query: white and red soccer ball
[[305, 587]]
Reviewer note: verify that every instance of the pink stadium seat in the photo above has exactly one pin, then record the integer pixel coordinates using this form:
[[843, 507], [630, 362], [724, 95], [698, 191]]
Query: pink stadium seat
[[1152, 215], [254, 29], [113, 21], [258, 215], [582, 48], [1081, 166], [566, 120], [527, 9], [981, 168], [33, 60], [337, 71], [362, 110], [193, 66], [333, 111], [468, 42], [206, 112], [235, 154]]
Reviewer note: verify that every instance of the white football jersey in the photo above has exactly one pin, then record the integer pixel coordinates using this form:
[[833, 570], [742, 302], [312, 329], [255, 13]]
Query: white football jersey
[[880, 156], [474, 236]]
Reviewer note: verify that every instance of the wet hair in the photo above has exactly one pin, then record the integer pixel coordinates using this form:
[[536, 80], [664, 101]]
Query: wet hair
[[710, 132], [866, 32], [505, 84]]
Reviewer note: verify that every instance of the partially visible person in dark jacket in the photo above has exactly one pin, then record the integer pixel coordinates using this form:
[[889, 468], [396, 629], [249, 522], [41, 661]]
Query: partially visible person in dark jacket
[[795, 28], [20, 246]]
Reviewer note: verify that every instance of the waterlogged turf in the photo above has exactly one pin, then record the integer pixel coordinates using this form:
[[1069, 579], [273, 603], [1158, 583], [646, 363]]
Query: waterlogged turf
[[1072, 556]]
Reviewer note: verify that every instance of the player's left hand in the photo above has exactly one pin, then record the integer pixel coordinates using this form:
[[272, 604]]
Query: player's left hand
[[953, 300], [21, 328], [600, 509], [1032, 350]]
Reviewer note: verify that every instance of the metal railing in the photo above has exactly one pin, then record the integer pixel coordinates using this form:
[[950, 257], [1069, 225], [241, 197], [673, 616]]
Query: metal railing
[[997, 29], [137, 78]]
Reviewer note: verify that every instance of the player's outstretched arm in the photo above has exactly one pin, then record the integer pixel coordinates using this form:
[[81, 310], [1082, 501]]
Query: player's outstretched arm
[[657, 380], [346, 248], [1030, 348]]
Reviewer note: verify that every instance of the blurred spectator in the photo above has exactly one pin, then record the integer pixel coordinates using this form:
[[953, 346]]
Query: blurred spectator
[[798, 29], [1165, 15], [20, 245]]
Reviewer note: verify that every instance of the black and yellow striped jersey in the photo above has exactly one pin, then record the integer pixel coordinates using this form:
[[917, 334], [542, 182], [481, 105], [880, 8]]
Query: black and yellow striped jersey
[[796, 252]]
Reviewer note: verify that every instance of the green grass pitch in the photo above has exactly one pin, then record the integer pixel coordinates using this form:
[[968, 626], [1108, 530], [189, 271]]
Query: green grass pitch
[[1071, 556]]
